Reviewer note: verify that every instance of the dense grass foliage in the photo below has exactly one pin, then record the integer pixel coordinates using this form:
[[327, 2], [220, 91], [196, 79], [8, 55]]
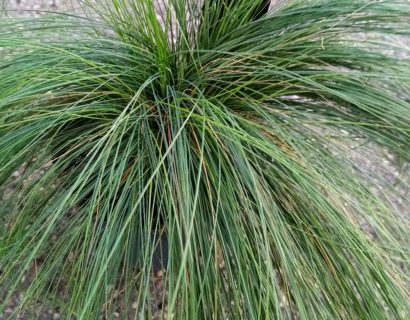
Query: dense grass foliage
[[229, 142]]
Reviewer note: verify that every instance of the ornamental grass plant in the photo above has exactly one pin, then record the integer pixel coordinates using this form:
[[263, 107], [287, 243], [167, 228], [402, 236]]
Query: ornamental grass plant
[[225, 135]]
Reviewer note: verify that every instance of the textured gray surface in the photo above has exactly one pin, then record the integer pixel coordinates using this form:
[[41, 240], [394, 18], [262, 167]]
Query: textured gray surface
[[35, 8]]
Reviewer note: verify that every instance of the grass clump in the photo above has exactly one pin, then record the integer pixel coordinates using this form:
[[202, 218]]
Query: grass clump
[[219, 131]]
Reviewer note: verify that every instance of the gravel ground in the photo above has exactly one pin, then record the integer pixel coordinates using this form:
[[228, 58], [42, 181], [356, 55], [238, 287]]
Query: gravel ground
[[382, 168], [35, 8]]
